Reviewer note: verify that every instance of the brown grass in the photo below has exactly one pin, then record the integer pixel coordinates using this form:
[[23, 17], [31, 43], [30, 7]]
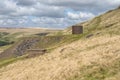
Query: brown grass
[[86, 59], [24, 32], [27, 30]]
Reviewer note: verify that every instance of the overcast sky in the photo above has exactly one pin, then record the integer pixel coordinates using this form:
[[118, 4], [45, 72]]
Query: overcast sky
[[51, 13]]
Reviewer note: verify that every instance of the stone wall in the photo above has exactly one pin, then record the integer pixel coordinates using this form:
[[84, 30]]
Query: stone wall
[[77, 29]]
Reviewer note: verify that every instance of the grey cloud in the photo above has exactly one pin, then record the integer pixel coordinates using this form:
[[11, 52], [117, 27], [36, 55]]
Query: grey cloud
[[9, 21], [59, 22], [50, 12], [6, 8], [26, 2], [95, 6], [41, 10], [4, 11]]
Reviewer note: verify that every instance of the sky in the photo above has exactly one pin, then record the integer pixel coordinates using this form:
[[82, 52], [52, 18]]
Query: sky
[[51, 13]]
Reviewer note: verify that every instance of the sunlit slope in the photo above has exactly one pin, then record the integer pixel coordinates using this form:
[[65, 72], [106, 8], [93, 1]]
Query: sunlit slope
[[97, 58]]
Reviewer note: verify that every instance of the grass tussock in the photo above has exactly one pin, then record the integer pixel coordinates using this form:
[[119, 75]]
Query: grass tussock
[[5, 62]]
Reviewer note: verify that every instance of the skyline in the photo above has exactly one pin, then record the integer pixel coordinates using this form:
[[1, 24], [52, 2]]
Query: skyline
[[51, 13]]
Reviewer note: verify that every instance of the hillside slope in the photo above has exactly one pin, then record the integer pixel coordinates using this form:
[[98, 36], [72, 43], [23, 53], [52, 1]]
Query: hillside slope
[[96, 57], [8, 36], [109, 21]]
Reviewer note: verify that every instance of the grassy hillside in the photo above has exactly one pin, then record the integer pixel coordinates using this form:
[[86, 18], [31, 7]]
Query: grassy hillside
[[106, 23], [97, 58], [11, 35], [94, 55]]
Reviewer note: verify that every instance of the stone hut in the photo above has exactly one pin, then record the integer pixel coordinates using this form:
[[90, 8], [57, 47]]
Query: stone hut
[[77, 29]]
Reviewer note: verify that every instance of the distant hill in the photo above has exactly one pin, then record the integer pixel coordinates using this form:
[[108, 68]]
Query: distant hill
[[10, 35]]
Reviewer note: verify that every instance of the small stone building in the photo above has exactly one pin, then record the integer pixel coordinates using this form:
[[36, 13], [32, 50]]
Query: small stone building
[[77, 29]]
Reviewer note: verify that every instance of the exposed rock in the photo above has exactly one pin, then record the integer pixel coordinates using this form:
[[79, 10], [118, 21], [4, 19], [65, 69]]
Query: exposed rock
[[26, 44], [19, 49], [90, 35], [35, 52]]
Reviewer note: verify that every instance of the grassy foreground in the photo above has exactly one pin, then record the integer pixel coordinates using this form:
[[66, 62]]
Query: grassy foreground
[[96, 58], [5, 62]]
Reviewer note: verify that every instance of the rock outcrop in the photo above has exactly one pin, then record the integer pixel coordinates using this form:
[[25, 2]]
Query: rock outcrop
[[19, 49]]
